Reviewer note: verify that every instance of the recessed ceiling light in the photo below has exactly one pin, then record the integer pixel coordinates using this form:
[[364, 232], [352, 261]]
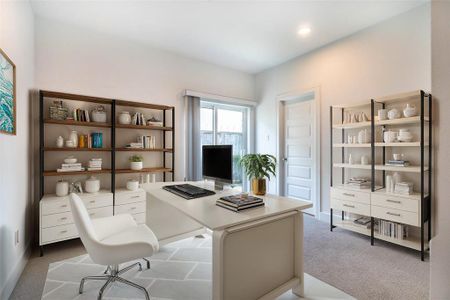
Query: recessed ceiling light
[[304, 31]]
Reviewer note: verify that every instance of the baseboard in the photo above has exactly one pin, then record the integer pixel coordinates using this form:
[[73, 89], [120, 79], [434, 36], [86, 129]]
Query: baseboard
[[14, 275]]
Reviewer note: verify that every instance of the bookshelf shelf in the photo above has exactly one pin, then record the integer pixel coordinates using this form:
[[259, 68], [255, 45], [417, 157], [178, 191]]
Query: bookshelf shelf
[[366, 145], [144, 127], [77, 123], [401, 121], [144, 170], [352, 125], [55, 173], [143, 150], [77, 149]]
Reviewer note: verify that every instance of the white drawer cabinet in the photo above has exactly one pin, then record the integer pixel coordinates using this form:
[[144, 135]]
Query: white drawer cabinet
[[350, 195], [56, 221], [131, 202]]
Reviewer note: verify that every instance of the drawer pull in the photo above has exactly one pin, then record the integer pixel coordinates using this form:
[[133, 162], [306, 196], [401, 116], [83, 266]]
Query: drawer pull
[[133, 197], [347, 205], [392, 214], [92, 214], [92, 201], [348, 194], [133, 208], [63, 231], [63, 219], [394, 201], [64, 205]]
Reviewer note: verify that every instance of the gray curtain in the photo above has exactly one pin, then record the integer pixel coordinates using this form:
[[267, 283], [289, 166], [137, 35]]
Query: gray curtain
[[193, 138]]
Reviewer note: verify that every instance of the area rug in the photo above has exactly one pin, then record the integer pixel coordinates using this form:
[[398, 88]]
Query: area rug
[[180, 270]]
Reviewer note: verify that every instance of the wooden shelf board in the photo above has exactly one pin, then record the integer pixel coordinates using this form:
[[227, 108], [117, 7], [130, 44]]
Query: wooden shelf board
[[144, 170], [399, 97], [76, 149], [366, 145], [144, 127], [352, 188], [411, 120], [352, 125], [67, 96], [352, 166], [410, 242], [77, 123], [142, 105], [352, 105], [143, 150], [55, 173], [415, 195], [399, 144], [349, 225], [411, 169]]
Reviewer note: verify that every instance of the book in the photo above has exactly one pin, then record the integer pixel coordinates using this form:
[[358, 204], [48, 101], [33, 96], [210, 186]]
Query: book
[[240, 200], [237, 209], [70, 170], [94, 169]]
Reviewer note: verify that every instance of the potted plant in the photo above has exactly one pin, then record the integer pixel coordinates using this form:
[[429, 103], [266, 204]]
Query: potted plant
[[136, 162], [258, 167]]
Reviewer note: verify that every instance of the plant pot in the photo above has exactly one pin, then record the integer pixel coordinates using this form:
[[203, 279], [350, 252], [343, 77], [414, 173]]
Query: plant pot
[[136, 165], [259, 187]]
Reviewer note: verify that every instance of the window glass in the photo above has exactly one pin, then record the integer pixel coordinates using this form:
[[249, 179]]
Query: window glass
[[229, 120], [222, 125], [206, 119]]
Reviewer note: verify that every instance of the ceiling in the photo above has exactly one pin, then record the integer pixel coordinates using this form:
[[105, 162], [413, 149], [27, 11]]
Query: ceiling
[[249, 36]]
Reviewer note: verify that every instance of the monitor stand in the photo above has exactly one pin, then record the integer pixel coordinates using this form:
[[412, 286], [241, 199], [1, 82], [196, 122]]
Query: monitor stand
[[218, 186]]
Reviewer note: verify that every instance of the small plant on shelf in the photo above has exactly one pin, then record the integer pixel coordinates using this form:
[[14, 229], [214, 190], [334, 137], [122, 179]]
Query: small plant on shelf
[[258, 167], [136, 162]]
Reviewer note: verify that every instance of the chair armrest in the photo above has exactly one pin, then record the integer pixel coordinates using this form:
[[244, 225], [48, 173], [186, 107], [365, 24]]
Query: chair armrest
[[108, 226]]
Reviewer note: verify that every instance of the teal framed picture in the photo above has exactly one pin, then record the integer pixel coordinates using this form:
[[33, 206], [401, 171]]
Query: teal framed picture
[[7, 95]]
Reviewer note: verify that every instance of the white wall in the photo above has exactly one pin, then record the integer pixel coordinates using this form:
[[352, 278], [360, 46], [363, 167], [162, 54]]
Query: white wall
[[390, 57], [17, 40], [440, 78], [75, 60]]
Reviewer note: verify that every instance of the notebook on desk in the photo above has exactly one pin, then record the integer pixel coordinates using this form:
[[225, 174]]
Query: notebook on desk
[[188, 191]]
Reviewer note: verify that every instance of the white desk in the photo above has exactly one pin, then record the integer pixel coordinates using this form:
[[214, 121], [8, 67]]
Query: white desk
[[257, 253]]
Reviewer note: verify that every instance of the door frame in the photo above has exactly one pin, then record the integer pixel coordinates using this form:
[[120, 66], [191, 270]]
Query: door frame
[[281, 101]]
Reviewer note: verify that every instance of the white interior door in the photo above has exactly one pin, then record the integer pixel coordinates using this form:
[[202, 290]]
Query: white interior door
[[300, 151]]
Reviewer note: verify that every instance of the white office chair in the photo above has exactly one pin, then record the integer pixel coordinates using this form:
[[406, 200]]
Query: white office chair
[[111, 241]]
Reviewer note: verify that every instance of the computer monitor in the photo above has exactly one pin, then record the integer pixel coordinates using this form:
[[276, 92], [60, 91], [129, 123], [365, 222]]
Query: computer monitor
[[217, 164]]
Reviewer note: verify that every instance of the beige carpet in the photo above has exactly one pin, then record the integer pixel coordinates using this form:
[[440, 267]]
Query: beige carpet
[[342, 259]]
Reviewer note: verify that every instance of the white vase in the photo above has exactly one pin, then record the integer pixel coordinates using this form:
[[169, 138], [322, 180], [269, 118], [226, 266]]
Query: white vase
[[136, 165], [60, 142], [409, 111], [125, 118], [62, 188], [92, 185], [73, 136]]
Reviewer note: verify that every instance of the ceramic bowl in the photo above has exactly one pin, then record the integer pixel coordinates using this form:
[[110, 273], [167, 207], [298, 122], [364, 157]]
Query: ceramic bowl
[[70, 160], [132, 185]]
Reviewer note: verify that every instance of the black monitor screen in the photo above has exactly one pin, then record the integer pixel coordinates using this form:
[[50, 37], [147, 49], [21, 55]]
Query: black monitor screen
[[218, 162]]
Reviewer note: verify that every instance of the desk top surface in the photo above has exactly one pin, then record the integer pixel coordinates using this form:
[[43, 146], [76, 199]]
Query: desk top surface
[[205, 211]]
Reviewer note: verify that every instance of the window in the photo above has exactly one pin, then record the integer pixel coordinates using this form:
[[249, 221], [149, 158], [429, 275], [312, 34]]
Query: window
[[225, 125]]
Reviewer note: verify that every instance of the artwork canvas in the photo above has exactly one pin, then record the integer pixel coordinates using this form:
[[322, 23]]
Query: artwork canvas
[[7, 95]]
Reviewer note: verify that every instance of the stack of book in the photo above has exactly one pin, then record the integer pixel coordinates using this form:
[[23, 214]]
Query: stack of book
[[147, 141], [154, 122], [358, 182], [393, 230], [134, 146], [95, 164], [405, 188], [239, 202], [81, 115], [398, 163], [76, 167]]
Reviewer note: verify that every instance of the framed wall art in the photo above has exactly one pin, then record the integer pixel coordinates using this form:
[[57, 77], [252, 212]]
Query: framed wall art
[[7, 95]]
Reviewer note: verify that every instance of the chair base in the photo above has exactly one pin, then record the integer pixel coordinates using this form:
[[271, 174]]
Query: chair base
[[112, 277]]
